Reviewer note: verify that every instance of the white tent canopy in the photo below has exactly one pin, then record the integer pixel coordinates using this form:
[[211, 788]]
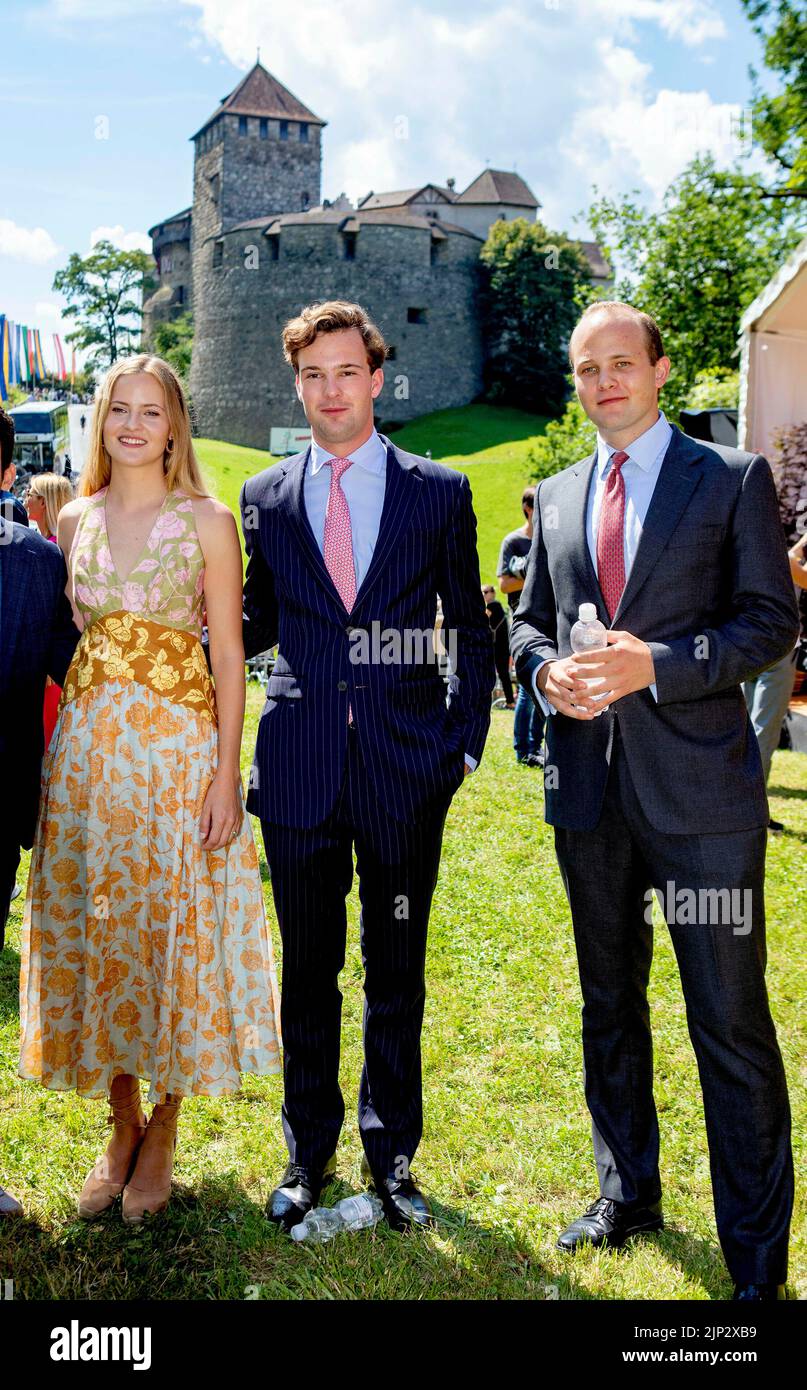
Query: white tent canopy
[[773, 365]]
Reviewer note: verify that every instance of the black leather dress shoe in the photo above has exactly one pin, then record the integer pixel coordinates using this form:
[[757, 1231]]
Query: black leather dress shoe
[[759, 1293], [404, 1204], [607, 1222], [296, 1193]]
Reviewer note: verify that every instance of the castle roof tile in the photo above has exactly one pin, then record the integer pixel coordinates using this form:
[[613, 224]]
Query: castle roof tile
[[260, 94]]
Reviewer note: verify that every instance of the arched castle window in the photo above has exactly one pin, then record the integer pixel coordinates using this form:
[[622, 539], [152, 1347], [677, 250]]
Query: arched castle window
[[242, 125], [218, 254], [264, 128], [284, 130]]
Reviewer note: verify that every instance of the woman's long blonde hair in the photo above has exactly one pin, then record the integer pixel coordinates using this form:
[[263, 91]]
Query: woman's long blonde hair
[[55, 493], [180, 465]]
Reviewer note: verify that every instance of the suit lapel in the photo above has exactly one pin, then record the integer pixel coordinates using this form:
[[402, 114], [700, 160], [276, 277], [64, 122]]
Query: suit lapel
[[401, 497], [577, 493], [678, 477], [290, 495]]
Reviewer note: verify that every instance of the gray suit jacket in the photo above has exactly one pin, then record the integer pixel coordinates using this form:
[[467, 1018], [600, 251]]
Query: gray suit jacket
[[710, 592]]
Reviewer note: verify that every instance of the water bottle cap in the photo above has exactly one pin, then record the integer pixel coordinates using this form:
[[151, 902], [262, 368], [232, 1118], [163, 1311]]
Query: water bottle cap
[[300, 1231], [587, 612]]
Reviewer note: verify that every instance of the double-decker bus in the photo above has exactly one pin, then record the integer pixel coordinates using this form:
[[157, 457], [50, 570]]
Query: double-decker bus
[[41, 437]]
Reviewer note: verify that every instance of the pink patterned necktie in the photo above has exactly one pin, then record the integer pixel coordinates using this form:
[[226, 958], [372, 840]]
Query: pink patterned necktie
[[611, 535], [337, 545]]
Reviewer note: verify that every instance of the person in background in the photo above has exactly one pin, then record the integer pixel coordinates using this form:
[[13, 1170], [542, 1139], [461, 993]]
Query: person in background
[[10, 506], [528, 725], [46, 496], [501, 641], [768, 696]]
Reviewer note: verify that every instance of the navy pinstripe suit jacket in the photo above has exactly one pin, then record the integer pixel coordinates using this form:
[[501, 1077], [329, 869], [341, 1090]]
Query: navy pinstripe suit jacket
[[412, 742]]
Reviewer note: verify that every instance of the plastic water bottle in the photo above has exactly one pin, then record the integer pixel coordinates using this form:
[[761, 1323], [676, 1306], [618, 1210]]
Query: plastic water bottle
[[318, 1225], [588, 635], [358, 1212], [351, 1214]]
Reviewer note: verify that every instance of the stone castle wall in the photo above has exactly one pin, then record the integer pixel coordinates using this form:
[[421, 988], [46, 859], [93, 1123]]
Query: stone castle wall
[[240, 384]]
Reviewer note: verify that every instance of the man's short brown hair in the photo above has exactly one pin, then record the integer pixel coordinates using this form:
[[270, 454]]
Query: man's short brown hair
[[655, 347], [330, 317], [528, 496]]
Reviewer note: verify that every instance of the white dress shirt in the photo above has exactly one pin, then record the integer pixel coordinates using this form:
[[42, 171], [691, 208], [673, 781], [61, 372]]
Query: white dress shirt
[[640, 471]]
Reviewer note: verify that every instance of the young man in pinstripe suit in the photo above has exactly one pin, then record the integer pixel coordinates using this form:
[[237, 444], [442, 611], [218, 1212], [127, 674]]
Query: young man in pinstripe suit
[[358, 747]]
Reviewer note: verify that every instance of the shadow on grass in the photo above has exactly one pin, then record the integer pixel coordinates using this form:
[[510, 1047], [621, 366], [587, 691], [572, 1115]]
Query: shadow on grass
[[788, 793], [214, 1243]]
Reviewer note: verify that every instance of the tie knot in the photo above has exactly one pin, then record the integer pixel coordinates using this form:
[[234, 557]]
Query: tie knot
[[618, 458], [340, 466]]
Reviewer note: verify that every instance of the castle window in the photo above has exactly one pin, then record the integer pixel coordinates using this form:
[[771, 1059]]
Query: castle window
[[284, 130], [273, 243], [218, 254], [349, 239], [180, 294], [264, 128], [242, 125], [166, 263], [213, 184], [304, 132], [306, 202], [392, 354], [416, 316]]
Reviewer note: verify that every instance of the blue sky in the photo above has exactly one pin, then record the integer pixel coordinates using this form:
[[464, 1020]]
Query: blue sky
[[572, 93]]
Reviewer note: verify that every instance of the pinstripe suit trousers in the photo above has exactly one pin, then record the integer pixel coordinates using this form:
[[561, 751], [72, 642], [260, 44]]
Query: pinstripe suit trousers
[[312, 872]]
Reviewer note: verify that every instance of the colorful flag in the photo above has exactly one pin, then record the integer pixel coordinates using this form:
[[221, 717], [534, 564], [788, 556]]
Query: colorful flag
[[61, 369], [4, 366], [38, 358]]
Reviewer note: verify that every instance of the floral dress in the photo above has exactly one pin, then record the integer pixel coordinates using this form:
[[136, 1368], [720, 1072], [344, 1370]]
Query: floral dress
[[142, 952]]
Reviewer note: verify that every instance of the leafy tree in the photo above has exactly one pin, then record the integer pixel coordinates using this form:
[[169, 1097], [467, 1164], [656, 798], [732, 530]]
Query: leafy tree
[[780, 118], [716, 387], [564, 442], [535, 283], [173, 340], [696, 264], [103, 292]]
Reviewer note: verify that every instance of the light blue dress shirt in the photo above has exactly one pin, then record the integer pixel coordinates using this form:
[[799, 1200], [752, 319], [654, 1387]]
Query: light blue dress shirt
[[363, 485], [640, 471]]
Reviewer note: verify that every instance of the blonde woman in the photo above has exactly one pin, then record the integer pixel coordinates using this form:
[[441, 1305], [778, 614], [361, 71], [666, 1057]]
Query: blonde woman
[[146, 952], [44, 500], [47, 495]]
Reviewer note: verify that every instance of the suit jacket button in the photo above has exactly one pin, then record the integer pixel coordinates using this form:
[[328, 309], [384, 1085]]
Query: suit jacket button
[[341, 685]]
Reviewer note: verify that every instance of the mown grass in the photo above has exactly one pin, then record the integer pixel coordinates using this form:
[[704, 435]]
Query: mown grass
[[506, 1152], [491, 443]]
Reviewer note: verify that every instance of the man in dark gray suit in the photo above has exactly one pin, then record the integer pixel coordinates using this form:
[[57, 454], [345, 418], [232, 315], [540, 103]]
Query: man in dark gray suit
[[653, 779]]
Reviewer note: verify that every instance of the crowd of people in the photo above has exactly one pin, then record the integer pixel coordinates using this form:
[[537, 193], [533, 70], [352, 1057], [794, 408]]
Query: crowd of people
[[146, 951]]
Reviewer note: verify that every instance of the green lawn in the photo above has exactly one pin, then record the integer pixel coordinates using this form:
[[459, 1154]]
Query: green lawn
[[491, 443], [505, 1153]]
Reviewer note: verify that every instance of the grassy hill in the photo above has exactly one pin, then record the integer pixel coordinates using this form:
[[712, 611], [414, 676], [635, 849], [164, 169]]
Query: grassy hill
[[490, 443]]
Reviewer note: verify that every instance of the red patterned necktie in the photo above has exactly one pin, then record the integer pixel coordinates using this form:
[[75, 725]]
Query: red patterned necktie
[[337, 545], [611, 535]]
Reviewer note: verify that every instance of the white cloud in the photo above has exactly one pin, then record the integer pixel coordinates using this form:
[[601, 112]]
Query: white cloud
[[33, 244], [629, 131], [692, 21], [125, 241]]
